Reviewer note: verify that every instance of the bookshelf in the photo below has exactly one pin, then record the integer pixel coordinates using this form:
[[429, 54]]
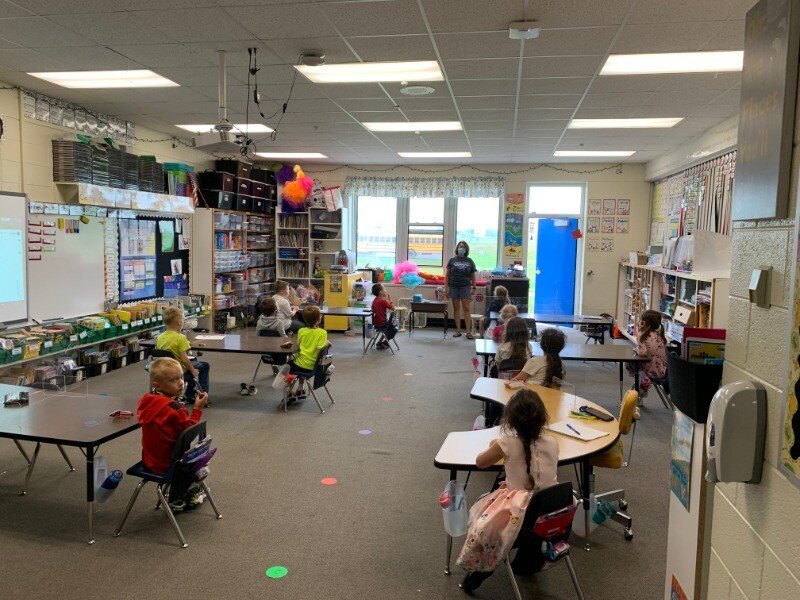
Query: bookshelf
[[645, 287], [233, 262], [325, 233]]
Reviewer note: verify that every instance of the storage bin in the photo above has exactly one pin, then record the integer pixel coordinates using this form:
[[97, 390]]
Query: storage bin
[[216, 180], [271, 190], [262, 175], [236, 168], [242, 186], [259, 205], [217, 198], [258, 189], [242, 202], [692, 386]]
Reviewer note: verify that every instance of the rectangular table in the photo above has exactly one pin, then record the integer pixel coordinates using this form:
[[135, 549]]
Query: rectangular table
[[428, 308], [561, 319], [67, 419], [245, 342], [618, 353], [352, 312]]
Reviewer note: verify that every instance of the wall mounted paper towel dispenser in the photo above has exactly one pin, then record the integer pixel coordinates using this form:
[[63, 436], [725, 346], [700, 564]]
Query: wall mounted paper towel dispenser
[[735, 433]]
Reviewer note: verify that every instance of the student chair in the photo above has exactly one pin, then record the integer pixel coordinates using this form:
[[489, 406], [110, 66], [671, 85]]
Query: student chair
[[615, 459], [32, 460], [164, 482], [542, 540], [661, 386], [311, 380], [157, 353], [379, 335], [268, 359], [597, 333]]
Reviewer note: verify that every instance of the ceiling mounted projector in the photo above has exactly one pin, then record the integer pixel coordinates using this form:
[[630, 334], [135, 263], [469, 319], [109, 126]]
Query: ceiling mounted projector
[[524, 30]]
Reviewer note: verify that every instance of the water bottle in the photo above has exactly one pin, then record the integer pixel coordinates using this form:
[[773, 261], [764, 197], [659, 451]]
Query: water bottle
[[108, 486]]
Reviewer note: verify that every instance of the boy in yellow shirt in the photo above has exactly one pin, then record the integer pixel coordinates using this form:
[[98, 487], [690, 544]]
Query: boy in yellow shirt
[[311, 339], [173, 341]]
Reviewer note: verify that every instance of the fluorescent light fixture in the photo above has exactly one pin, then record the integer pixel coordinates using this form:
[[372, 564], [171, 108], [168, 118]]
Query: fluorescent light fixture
[[241, 127], [290, 155], [417, 70], [660, 122], [143, 78], [418, 126], [435, 154], [673, 62], [593, 153]]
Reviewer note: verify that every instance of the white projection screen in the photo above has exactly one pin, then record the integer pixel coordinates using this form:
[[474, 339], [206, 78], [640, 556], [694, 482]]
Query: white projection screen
[[13, 258]]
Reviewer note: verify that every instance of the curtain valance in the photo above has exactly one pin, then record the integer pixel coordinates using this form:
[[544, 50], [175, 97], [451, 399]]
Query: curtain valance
[[425, 187]]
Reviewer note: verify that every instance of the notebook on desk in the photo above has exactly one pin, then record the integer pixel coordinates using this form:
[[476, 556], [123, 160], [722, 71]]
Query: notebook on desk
[[577, 431]]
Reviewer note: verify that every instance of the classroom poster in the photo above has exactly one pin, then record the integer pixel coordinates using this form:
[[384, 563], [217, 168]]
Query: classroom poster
[[137, 259], [623, 225], [789, 459], [680, 464], [609, 206], [594, 206], [593, 245], [623, 206], [514, 210], [593, 225], [167, 229], [608, 225]]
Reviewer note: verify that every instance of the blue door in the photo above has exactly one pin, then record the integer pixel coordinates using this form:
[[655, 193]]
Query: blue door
[[556, 254]]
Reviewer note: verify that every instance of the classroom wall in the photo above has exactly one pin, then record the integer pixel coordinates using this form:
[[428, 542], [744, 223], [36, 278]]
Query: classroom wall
[[755, 530], [599, 289], [26, 156]]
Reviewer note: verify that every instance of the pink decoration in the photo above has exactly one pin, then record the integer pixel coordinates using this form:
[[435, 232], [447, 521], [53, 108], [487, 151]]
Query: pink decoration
[[402, 268]]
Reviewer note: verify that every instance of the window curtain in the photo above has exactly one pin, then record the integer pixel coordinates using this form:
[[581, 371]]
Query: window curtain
[[425, 187]]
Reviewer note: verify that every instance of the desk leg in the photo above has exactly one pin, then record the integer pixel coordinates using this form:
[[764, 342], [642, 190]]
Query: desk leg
[[31, 464], [90, 491], [586, 476], [410, 323], [485, 365], [621, 381], [445, 325], [453, 475], [364, 334], [636, 381]]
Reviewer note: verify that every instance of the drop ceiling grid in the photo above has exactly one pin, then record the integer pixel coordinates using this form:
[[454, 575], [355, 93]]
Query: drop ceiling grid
[[492, 86]]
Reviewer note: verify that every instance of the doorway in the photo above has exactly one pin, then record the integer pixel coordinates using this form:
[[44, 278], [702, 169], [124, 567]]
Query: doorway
[[552, 257]]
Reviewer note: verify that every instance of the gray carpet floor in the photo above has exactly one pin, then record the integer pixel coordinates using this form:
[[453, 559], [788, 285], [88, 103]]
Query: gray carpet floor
[[377, 533]]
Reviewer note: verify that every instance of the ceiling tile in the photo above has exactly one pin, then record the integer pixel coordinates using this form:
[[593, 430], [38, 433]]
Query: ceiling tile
[[539, 114], [283, 22], [116, 28], [472, 115], [424, 103], [486, 102], [376, 18], [622, 84], [571, 42], [196, 75], [669, 98], [439, 89], [432, 115], [706, 81], [9, 9], [23, 59], [484, 87], [554, 85], [549, 101], [578, 13], [567, 66], [367, 104], [208, 24], [686, 36], [316, 105], [165, 55], [91, 58], [477, 45], [717, 110], [39, 32], [616, 100], [500, 68], [289, 50], [728, 36], [679, 11], [71, 7], [394, 48]]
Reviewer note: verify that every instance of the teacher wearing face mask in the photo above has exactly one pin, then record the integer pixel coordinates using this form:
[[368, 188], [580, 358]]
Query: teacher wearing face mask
[[459, 283]]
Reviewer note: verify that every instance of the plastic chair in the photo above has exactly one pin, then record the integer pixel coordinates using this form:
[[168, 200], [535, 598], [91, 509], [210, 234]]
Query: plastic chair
[[661, 386], [597, 333], [311, 380], [379, 335], [251, 389], [542, 540], [615, 459], [164, 481]]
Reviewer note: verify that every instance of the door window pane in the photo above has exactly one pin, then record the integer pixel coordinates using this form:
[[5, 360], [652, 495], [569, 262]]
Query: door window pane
[[477, 224], [376, 231], [426, 232], [555, 199]]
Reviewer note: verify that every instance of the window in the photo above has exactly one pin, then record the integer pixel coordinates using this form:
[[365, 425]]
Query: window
[[477, 223], [376, 231], [564, 199], [426, 231]]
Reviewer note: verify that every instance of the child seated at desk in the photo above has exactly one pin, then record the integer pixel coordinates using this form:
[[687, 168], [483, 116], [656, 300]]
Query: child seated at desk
[[653, 344], [508, 311], [540, 370], [173, 341], [498, 301], [515, 346], [269, 320], [380, 306], [285, 309], [311, 339], [531, 462], [163, 419]]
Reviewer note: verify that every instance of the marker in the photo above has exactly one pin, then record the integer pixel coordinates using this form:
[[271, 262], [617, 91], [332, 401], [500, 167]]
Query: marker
[[578, 433]]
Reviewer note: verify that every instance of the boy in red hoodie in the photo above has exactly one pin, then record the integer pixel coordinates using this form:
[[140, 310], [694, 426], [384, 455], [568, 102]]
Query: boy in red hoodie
[[163, 418]]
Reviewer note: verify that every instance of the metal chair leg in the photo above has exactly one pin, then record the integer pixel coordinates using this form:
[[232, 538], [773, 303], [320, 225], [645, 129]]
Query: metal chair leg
[[513, 579], [396, 344], [630, 450], [258, 366], [128, 508], [166, 495], [574, 577], [448, 554], [321, 410], [171, 518], [30, 468], [210, 499], [327, 391], [22, 451], [66, 458]]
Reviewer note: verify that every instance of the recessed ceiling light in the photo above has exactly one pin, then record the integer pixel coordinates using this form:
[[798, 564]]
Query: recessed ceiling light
[[418, 70], [417, 90], [593, 153], [673, 62], [241, 127], [435, 154], [290, 155], [418, 126], [106, 79], [660, 122]]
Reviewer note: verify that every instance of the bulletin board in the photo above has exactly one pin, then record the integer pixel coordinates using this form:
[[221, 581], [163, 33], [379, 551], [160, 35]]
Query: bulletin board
[[153, 257], [66, 278]]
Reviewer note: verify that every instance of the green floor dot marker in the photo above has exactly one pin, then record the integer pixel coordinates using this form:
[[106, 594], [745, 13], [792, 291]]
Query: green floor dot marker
[[276, 572]]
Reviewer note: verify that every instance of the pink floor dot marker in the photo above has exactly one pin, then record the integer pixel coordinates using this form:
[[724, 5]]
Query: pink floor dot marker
[[387, 398], [329, 481], [364, 432]]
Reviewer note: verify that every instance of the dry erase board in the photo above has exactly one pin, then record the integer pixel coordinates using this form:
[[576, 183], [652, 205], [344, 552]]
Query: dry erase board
[[66, 278]]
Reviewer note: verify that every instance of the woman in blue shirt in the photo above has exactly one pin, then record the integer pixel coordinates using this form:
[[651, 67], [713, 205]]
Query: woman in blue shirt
[[459, 283]]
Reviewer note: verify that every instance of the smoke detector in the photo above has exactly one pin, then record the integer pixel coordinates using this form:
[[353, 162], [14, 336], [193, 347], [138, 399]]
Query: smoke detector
[[416, 90], [524, 30], [312, 59]]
